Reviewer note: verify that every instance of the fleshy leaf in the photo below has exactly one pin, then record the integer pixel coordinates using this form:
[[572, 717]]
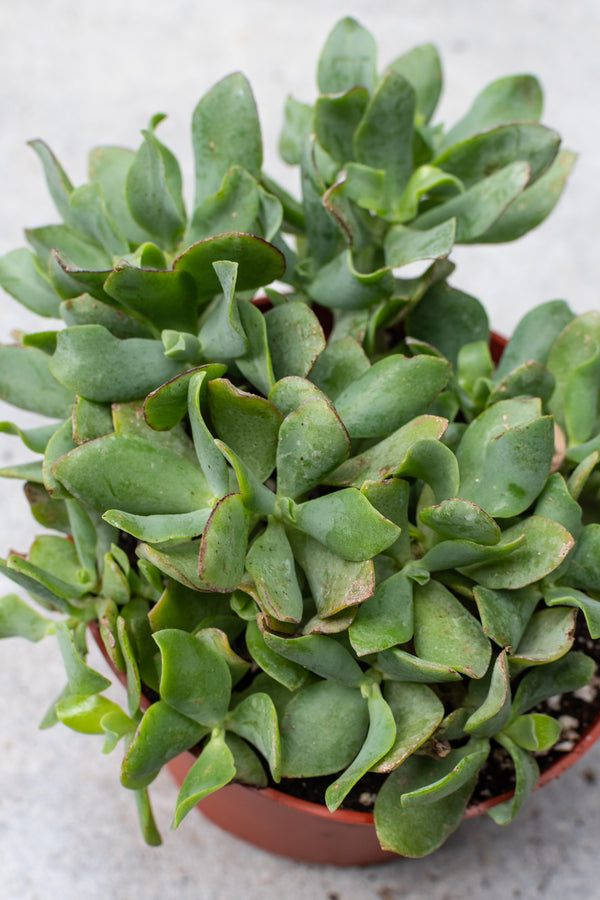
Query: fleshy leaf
[[386, 618], [270, 561], [347, 59], [223, 545], [312, 442], [213, 769]]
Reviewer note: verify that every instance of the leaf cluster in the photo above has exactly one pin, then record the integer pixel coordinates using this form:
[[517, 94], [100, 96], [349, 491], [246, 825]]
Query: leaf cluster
[[320, 525]]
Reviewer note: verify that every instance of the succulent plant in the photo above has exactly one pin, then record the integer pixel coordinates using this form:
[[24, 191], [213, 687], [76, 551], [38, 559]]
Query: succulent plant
[[322, 532]]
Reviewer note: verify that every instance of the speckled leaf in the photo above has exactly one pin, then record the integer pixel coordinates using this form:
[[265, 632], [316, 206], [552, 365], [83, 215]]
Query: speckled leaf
[[319, 653], [418, 831], [505, 614], [335, 583], [312, 442], [195, 679], [457, 519], [348, 58], [225, 133], [270, 561], [384, 458], [435, 464], [505, 457], [385, 619], [322, 730], [27, 382], [529, 379], [122, 469], [384, 138], [446, 633], [165, 298], [556, 502], [167, 405], [93, 363], [390, 393], [259, 262], [339, 365], [295, 338], [346, 523], [417, 711], [549, 635], [545, 546], [481, 205], [248, 424], [223, 545]]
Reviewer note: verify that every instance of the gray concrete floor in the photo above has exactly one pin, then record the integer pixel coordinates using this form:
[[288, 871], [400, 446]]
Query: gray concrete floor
[[83, 74]]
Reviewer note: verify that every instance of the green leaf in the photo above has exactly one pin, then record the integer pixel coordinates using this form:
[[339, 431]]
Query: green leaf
[[248, 424], [270, 561], [419, 830], [456, 519], [556, 502], [195, 679], [165, 298], [516, 98], [448, 319], [155, 529], [590, 606], [322, 730], [549, 635], [569, 673], [446, 633], [108, 167], [93, 363], [58, 182], [406, 245], [84, 712], [505, 457], [82, 679], [234, 207], [422, 68], [146, 818], [312, 442], [435, 463], [494, 712], [340, 284], [166, 406], [384, 458], [255, 364], [346, 523], [481, 205], [527, 775], [255, 719], [35, 439], [482, 154], [380, 737], [390, 393], [505, 614], [402, 666], [534, 336], [470, 759], [386, 618], [535, 203], [18, 619], [282, 670], [336, 120], [534, 732], [23, 278], [210, 458], [319, 653], [223, 545], [153, 191], [27, 382], [120, 470], [259, 262], [89, 213], [225, 133], [213, 769], [384, 138], [340, 364], [295, 338], [297, 126], [348, 59], [417, 711], [335, 583], [162, 735], [575, 363], [545, 545]]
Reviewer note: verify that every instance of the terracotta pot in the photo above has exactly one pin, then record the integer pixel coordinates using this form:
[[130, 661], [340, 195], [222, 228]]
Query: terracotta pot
[[308, 832]]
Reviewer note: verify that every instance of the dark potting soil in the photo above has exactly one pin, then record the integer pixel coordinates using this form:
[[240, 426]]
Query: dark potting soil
[[576, 712]]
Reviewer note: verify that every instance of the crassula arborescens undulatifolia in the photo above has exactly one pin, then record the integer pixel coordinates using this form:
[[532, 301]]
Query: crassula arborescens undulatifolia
[[324, 532]]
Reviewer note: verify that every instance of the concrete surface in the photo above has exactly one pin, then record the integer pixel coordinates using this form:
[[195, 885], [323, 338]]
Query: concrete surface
[[83, 74]]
